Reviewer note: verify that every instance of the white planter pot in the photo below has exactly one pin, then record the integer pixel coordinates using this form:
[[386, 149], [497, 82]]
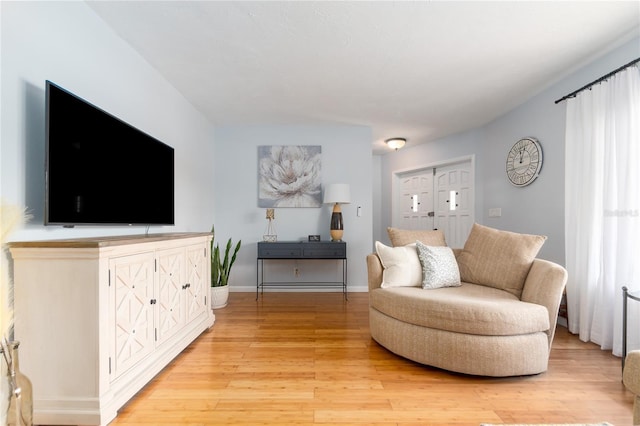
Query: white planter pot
[[219, 297]]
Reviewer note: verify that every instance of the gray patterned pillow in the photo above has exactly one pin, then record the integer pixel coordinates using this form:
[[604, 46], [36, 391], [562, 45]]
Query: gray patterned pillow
[[439, 266]]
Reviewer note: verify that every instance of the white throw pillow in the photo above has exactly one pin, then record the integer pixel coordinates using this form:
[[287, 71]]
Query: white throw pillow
[[439, 266], [401, 266]]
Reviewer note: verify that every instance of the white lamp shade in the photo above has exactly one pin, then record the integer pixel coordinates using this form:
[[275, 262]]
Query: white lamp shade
[[337, 193]]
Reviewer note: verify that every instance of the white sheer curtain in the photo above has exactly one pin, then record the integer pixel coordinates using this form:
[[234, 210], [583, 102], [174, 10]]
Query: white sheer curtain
[[602, 208]]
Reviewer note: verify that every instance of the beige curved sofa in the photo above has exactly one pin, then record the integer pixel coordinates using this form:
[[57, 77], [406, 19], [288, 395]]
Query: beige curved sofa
[[500, 328]]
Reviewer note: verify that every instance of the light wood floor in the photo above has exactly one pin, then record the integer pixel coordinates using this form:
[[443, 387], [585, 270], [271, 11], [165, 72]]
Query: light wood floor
[[308, 358]]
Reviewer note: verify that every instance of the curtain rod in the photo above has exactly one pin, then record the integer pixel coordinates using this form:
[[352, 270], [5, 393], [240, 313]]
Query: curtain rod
[[593, 83]]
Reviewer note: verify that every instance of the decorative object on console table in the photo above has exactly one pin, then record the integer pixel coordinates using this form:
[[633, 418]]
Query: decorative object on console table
[[220, 271], [20, 410], [336, 194], [270, 236]]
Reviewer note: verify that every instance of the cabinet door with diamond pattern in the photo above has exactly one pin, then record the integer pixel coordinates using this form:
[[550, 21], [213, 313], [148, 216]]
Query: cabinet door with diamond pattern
[[132, 282], [171, 288], [197, 288]]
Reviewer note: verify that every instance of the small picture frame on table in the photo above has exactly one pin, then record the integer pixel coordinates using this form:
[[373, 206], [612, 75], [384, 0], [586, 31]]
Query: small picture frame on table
[[314, 238]]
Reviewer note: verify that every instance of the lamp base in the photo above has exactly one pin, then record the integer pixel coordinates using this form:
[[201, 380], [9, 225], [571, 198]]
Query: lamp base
[[337, 226], [336, 234]]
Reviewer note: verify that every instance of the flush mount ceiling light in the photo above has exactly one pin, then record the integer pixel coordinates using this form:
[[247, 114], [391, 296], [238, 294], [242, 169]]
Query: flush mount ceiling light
[[396, 143]]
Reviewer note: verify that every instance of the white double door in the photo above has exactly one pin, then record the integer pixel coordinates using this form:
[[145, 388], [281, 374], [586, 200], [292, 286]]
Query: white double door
[[437, 198]]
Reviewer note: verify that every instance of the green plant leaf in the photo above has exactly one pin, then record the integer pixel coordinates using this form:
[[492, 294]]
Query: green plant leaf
[[221, 268]]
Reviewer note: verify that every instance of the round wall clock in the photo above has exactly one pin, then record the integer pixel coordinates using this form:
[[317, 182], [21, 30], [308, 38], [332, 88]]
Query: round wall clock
[[524, 161]]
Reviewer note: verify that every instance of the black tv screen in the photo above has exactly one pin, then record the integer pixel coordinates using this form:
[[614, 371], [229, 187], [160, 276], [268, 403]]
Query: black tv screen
[[102, 171]]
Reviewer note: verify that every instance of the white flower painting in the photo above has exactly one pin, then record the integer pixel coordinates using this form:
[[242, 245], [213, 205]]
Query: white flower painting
[[289, 176]]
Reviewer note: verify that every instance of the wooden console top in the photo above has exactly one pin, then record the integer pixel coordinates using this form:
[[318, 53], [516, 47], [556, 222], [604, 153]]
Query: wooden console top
[[96, 242]]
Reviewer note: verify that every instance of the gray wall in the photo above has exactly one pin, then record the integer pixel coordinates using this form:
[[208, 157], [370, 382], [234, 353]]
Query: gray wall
[[346, 158], [216, 180], [66, 42], [537, 208]]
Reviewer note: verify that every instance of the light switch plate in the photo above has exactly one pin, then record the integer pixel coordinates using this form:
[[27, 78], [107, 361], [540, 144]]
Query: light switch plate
[[495, 212]]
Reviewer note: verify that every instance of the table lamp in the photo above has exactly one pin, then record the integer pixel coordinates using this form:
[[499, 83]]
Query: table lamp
[[336, 194]]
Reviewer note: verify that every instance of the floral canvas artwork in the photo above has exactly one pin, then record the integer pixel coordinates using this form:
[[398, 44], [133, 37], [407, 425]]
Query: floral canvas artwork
[[289, 176]]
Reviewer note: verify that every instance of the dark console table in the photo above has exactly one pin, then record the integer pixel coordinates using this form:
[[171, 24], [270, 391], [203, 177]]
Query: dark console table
[[294, 250]]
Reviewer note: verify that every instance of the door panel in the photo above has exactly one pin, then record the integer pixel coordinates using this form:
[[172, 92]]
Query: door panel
[[441, 198], [454, 214], [416, 201], [171, 316], [196, 281], [133, 280]]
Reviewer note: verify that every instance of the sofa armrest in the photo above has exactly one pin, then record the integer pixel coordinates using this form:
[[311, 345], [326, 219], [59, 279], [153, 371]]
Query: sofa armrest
[[544, 286], [374, 271]]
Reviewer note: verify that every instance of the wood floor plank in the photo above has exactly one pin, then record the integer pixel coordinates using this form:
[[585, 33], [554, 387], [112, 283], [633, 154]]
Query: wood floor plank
[[308, 359]]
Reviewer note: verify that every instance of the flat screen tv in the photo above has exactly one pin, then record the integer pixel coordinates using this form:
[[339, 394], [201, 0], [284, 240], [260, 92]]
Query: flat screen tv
[[102, 171]]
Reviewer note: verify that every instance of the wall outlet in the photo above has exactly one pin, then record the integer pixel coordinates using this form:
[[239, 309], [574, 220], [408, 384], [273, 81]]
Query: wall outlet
[[495, 212], [296, 272]]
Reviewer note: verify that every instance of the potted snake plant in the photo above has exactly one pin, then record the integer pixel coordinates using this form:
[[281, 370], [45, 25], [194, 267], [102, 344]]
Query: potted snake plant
[[220, 271]]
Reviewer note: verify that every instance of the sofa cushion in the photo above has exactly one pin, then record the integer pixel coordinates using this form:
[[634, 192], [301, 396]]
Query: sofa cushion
[[470, 309], [439, 266], [401, 265], [402, 237], [499, 259]]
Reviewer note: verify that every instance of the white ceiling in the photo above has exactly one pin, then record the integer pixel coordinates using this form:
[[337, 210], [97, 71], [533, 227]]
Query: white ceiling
[[420, 70]]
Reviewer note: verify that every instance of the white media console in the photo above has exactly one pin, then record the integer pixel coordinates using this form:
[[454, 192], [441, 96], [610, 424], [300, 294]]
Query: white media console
[[98, 318]]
